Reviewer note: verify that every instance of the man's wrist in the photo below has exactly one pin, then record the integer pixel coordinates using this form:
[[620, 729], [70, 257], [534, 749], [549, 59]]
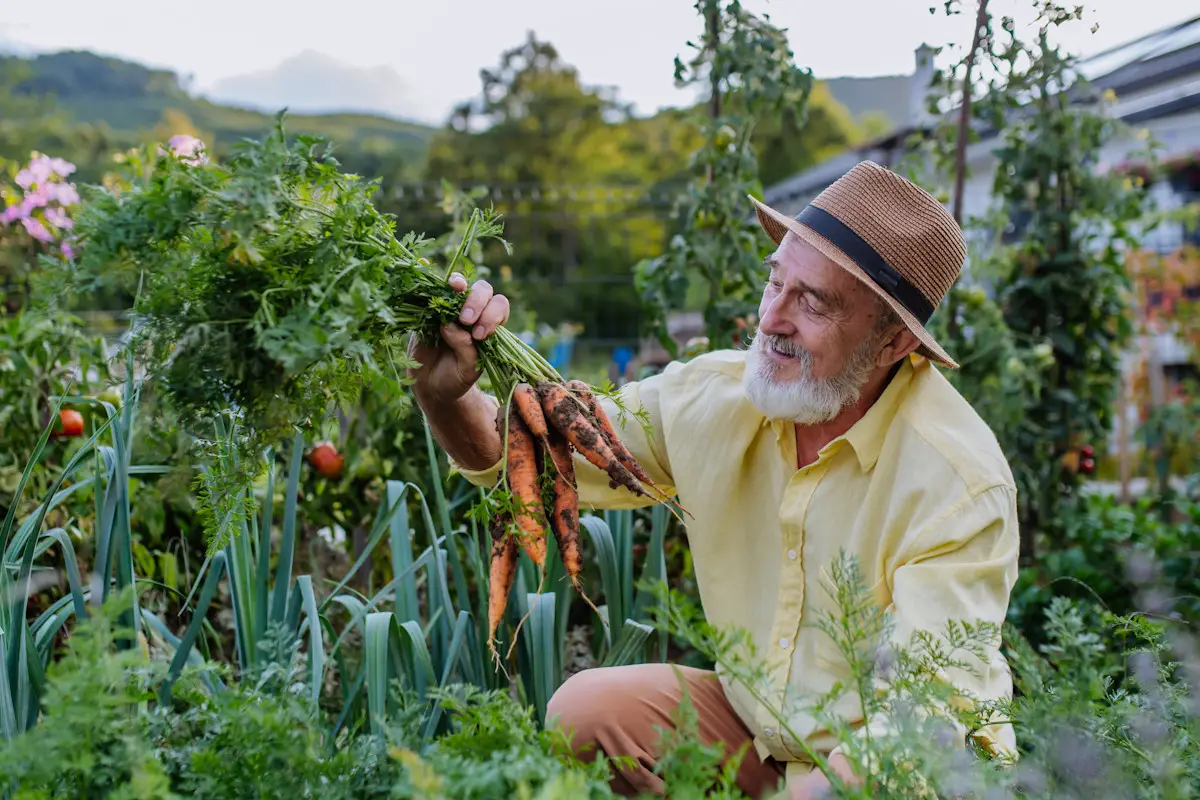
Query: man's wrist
[[465, 426]]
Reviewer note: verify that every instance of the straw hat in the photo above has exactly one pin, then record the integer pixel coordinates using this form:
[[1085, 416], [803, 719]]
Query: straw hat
[[889, 233]]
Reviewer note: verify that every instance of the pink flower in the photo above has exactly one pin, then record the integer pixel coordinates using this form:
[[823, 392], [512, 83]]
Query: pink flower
[[67, 250], [41, 168], [38, 198], [25, 179], [189, 149], [37, 230], [61, 167], [64, 193], [14, 213], [59, 219]]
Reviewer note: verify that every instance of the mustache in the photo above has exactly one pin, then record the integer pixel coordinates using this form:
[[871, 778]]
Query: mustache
[[782, 345]]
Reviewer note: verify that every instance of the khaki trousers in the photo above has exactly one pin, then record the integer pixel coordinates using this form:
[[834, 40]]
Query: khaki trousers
[[616, 710]]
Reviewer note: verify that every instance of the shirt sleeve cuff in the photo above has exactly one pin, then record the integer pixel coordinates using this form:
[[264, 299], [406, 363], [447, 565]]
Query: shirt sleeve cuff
[[479, 477]]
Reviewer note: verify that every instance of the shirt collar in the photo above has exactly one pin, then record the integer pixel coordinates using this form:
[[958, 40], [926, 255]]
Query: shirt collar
[[866, 436]]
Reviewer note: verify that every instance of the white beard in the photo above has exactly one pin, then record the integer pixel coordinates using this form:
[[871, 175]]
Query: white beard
[[804, 400]]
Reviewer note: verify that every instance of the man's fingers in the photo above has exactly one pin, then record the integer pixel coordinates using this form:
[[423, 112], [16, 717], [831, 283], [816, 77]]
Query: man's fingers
[[481, 294], [457, 282], [493, 316]]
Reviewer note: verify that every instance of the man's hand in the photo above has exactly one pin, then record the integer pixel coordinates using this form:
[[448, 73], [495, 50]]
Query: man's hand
[[815, 785], [461, 417], [450, 370]]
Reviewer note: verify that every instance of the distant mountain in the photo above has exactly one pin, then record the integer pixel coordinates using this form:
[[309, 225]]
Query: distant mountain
[[11, 47], [131, 99], [315, 83]]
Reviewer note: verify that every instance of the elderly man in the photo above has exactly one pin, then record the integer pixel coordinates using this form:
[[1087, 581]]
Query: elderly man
[[833, 431]]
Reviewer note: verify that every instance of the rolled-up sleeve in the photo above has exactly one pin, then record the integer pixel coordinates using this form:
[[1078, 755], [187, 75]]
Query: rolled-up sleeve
[[638, 422], [960, 570]]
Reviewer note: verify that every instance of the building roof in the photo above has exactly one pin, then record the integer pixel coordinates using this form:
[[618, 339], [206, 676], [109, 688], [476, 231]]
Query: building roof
[[1163, 58]]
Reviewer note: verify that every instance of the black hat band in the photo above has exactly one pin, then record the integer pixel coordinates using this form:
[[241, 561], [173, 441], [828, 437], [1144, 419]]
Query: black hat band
[[869, 260]]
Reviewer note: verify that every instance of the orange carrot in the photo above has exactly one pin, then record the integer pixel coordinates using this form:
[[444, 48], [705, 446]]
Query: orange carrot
[[523, 484], [604, 425], [565, 415], [530, 409], [502, 573], [564, 516]]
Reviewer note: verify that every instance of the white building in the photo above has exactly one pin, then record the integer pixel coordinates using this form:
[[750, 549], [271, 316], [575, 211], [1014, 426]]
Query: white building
[[1157, 82], [1156, 79]]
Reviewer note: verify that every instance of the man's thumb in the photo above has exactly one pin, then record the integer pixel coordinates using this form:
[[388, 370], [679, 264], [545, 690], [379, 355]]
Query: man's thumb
[[460, 341]]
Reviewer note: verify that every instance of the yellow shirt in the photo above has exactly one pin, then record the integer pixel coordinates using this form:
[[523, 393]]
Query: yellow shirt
[[917, 490]]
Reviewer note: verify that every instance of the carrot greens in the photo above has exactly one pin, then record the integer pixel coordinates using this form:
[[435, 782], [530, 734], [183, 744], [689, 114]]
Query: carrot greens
[[269, 290]]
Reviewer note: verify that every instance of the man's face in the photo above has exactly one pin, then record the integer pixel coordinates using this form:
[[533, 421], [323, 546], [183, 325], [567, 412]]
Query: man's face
[[818, 341]]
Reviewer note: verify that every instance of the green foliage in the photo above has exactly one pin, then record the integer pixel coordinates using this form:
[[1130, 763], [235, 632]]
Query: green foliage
[[1106, 723], [42, 357], [1170, 436], [1054, 248], [25, 537], [1101, 709], [262, 738], [94, 736], [224, 745], [798, 137], [535, 136], [270, 289], [748, 67], [494, 748], [1066, 283], [1107, 552], [691, 767]]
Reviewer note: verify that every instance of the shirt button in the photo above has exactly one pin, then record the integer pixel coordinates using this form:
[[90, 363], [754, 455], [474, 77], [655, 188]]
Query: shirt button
[[783, 643], [792, 555]]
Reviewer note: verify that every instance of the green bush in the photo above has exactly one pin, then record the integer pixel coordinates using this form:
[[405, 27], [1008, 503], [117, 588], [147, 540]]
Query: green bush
[[1125, 558], [1093, 721]]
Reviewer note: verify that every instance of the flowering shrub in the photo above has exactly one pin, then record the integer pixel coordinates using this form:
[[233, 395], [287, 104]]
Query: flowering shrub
[[189, 149], [39, 200]]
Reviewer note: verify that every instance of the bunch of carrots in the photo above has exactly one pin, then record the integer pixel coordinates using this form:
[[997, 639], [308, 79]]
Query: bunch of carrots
[[541, 427]]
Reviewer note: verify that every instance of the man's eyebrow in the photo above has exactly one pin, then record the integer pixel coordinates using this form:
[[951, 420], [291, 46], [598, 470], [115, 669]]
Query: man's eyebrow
[[827, 298]]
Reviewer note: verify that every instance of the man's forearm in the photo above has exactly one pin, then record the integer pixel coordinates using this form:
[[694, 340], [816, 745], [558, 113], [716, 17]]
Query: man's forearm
[[465, 428]]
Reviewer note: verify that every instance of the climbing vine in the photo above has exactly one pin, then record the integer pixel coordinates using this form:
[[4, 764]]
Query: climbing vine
[[717, 251], [1048, 280]]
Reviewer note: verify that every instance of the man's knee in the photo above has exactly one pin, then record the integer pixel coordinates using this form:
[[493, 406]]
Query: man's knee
[[582, 704], [596, 703]]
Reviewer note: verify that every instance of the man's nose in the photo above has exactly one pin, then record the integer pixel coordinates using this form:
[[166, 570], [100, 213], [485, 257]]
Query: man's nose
[[774, 320]]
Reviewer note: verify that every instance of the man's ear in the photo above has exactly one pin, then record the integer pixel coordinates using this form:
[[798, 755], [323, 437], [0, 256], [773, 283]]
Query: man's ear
[[901, 344]]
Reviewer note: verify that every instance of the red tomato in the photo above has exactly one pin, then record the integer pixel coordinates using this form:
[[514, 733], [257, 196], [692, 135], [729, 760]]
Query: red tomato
[[1088, 466], [326, 460], [72, 423]]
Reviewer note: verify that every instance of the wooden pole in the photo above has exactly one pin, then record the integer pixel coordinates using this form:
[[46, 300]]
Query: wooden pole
[[1123, 438], [713, 26], [960, 156], [964, 116], [714, 43]]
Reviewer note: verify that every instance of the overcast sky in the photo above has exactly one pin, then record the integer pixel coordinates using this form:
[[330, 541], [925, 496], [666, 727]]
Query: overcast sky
[[426, 54]]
